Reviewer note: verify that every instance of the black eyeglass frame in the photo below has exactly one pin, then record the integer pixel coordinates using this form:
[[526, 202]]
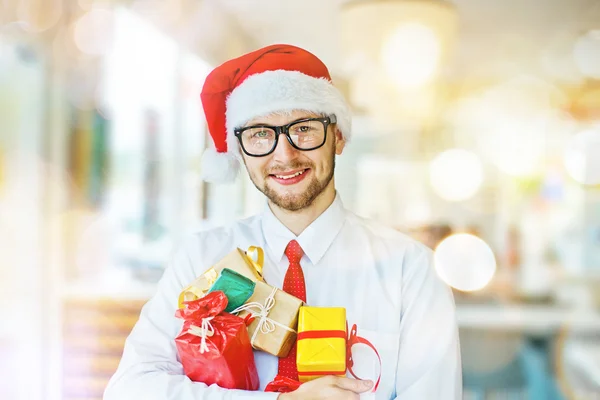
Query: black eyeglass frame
[[285, 129]]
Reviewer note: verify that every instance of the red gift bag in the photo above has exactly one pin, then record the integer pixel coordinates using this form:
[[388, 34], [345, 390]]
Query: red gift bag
[[214, 346]]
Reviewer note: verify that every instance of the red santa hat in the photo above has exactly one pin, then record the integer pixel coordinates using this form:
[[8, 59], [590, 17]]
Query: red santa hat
[[276, 78]]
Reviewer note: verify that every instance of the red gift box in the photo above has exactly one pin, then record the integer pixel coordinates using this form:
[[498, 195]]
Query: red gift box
[[214, 346]]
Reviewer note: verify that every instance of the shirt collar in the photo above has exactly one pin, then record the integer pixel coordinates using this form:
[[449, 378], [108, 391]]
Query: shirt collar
[[314, 240]]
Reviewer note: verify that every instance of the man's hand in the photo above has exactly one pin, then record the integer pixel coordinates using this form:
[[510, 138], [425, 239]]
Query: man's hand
[[328, 388]]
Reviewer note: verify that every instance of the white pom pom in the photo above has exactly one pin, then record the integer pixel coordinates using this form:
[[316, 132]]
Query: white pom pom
[[219, 167]]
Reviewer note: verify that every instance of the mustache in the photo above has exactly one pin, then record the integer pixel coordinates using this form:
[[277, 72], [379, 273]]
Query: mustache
[[282, 168]]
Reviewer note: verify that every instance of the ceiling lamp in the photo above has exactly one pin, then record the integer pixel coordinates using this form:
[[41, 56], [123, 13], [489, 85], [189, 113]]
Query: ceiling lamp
[[407, 39]]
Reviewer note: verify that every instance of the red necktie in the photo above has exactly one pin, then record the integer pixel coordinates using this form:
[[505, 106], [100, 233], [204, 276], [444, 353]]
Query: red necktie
[[294, 285]]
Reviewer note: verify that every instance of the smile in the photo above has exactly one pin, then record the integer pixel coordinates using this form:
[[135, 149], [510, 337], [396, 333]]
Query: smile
[[290, 176]]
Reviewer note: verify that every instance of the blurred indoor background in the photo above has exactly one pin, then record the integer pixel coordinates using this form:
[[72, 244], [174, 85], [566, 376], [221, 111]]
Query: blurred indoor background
[[476, 130]]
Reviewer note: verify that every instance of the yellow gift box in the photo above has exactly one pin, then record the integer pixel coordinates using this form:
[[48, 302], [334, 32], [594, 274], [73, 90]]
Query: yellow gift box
[[248, 263], [321, 342]]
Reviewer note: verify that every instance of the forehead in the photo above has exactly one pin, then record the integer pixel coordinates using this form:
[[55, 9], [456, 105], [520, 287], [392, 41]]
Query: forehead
[[282, 117]]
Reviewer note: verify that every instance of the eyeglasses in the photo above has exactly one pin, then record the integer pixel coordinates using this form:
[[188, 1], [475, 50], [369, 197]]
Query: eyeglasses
[[304, 134]]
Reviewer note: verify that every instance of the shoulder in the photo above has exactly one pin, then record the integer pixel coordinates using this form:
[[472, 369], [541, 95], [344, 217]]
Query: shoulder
[[211, 233], [206, 246], [384, 235]]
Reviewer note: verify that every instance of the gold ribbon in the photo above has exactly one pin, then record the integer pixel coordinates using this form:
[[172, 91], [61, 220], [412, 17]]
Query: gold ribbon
[[193, 292], [255, 258]]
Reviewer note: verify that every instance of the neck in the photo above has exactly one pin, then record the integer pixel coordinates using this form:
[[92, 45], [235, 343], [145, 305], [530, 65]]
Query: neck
[[298, 221]]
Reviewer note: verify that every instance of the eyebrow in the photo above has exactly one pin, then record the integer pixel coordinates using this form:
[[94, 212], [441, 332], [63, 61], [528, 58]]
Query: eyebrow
[[291, 122]]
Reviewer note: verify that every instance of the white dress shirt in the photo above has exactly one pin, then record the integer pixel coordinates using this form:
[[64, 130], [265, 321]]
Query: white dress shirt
[[384, 279]]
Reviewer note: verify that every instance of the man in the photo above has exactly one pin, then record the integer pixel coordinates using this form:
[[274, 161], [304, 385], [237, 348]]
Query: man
[[278, 111]]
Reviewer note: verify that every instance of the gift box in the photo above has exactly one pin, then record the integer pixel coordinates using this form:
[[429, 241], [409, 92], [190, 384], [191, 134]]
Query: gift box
[[275, 317], [321, 342], [213, 346], [236, 287], [248, 263]]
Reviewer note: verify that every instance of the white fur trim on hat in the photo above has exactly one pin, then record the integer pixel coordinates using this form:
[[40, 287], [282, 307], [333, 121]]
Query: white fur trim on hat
[[219, 167], [275, 91]]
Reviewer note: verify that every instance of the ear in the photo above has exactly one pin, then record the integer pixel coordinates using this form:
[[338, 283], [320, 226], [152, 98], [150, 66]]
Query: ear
[[340, 141]]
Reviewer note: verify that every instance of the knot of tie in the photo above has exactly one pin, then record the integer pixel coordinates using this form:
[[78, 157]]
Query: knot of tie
[[294, 252]]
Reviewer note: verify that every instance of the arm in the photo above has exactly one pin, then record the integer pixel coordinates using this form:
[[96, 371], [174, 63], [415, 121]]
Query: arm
[[429, 365], [150, 368]]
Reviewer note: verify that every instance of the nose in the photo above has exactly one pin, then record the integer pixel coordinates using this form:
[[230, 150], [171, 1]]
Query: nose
[[284, 151]]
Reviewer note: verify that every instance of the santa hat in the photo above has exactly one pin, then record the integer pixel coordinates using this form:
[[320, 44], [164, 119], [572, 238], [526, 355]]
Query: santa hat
[[276, 78]]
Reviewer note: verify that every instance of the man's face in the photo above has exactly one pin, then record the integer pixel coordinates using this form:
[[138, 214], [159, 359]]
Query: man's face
[[274, 174]]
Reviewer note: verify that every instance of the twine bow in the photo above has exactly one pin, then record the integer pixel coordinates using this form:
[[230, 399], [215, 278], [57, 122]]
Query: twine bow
[[204, 331], [266, 325]]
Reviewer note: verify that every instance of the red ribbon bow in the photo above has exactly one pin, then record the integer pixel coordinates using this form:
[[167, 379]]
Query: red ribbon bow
[[353, 339], [282, 384]]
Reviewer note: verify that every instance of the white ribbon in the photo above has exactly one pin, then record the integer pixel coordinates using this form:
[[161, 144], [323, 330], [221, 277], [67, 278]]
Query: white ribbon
[[265, 324], [204, 331]]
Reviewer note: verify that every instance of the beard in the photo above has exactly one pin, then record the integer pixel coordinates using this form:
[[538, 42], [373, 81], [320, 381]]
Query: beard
[[297, 202]]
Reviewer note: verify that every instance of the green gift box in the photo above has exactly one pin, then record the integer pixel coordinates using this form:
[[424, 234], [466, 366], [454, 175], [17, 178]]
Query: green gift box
[[236, 287]]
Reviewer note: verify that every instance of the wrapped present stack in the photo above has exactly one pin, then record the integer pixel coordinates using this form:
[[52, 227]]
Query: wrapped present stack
[[231, 306]]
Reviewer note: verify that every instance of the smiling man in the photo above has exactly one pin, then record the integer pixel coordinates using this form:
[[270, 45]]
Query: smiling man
[[277, 110]]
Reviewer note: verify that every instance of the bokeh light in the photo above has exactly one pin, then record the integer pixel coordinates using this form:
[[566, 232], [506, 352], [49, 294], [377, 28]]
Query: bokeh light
[[586, 53], [414, 42], [158, 11], [39, 16], [557, 61], [456, 174], [582, 157], [93, 32], [465, 262], [516, 146], [511, 123]]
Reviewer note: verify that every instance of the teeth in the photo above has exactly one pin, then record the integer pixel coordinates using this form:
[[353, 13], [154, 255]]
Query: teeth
[[289, 176]]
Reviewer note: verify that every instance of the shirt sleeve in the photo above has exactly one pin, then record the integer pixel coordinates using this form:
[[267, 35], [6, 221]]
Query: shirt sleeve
[[429, 364], [150, 368]]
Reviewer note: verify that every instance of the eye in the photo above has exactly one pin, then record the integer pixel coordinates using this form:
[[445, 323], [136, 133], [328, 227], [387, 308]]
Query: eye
[[304, 128], [261, 134]]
